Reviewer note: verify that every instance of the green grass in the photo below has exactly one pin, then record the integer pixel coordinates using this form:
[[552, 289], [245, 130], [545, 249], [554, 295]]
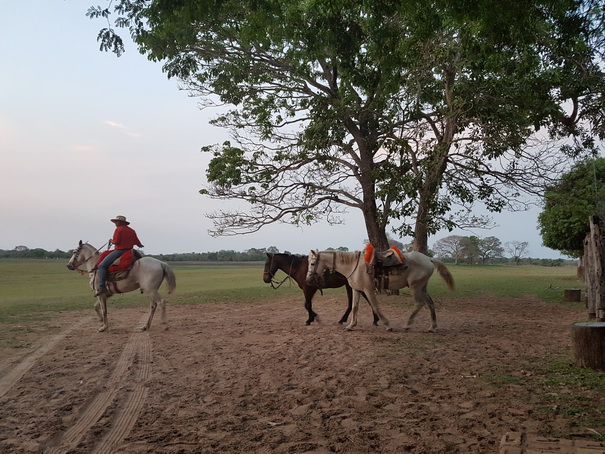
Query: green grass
[[547, 283], [38, 286]]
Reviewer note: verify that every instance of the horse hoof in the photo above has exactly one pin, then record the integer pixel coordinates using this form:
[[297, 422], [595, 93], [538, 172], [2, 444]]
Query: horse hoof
[[102, 329], [144, 328]]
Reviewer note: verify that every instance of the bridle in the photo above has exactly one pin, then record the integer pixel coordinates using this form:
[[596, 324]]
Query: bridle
[[274, 283], [76, 264]]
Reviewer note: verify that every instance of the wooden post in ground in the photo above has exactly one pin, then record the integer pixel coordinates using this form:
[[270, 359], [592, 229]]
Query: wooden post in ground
[[588, 339], [594, 265]]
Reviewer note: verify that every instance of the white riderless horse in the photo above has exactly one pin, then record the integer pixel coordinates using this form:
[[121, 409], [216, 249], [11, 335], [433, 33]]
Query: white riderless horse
[[147, 274], [357, 268]]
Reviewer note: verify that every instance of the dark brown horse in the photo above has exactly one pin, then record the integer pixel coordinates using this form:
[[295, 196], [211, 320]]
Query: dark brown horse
[[296, 266]]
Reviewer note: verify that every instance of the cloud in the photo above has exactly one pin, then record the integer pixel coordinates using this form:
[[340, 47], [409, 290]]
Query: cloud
[[124, 129]]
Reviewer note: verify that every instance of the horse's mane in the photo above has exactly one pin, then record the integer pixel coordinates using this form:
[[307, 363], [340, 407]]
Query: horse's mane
[[346, 257]]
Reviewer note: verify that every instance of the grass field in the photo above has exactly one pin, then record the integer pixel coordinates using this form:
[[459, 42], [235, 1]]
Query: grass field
[[38, 286]]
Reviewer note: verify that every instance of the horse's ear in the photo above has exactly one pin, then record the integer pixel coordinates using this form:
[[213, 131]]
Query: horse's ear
[[268, 254], [80, 242]]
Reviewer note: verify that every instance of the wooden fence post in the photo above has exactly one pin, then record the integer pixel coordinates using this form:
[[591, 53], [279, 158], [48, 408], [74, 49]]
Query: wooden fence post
[[588, 339], [594, 263]]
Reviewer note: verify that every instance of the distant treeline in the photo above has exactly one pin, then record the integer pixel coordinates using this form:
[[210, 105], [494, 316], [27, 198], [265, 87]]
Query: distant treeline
[[250, 255], [523, 261]]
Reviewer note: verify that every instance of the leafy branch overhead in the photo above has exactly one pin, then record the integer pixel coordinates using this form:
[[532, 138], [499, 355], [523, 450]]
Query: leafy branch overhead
[[410, 112]]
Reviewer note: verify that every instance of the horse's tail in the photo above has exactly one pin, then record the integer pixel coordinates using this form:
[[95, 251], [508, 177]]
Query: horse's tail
[[444, 273], [170, 278]]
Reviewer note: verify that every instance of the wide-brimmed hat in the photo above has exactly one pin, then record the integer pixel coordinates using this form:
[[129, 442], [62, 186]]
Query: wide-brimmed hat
[[120, 219]]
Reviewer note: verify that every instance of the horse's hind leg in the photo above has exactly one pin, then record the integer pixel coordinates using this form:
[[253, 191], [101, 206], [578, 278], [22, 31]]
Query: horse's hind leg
[[421, 297], [155, 297], [413, 315], [431, 304]]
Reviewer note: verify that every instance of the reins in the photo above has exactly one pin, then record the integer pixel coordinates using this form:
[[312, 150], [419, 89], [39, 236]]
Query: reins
[[274, 281], [82, 272]]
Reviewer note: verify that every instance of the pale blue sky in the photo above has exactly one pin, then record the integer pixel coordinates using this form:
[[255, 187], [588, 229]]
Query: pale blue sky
[[85, 136]]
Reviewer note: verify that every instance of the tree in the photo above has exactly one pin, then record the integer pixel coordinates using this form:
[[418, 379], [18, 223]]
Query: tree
[[452, 246], [385, 107], [470, 246], [489, 248], [517, 250], [568, 204]]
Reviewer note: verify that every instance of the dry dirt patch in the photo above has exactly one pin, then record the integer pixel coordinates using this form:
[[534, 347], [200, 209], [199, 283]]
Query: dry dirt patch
[[235, 378]]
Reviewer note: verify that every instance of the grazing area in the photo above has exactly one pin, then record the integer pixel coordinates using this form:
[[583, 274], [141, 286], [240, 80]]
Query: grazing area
[[236, 370]]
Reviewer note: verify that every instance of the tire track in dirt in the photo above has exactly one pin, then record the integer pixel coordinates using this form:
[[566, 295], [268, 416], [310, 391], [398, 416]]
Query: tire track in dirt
[[136, 354], [8, 377]]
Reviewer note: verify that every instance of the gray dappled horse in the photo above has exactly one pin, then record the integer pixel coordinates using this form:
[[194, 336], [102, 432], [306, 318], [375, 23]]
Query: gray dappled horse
[[146, 273], [354, 266]]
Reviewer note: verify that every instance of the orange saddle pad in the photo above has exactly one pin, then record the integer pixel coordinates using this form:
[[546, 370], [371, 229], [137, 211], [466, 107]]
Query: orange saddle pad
[[123, 263]]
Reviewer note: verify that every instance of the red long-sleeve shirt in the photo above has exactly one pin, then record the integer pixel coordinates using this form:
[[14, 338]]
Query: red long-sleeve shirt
[[125, 237]]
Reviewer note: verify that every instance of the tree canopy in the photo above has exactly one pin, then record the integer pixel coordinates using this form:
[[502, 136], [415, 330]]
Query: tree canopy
[[579, 193], [408, 111]]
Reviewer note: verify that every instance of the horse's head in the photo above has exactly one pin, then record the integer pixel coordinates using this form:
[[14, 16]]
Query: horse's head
[[315, 270], [83, 253], [270, 268]]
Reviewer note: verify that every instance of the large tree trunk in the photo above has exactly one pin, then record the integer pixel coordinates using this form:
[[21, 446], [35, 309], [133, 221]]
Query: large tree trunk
[[421, 233], [376, 234], [434, 173]]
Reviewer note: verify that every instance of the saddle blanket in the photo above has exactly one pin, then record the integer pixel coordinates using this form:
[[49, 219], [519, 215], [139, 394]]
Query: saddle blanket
[[121, 264]]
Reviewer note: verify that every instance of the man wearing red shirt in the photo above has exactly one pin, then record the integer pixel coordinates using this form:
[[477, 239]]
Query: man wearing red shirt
[[124, 239]]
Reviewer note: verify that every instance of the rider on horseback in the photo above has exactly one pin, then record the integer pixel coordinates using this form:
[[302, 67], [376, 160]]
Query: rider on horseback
[[124, 239]]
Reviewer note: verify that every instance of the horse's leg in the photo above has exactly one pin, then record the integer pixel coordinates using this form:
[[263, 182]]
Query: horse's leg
[[354, 307], [155, 297], [431, 305], [163, 313], [103, 303], [350, 303], [309, 292], [376, 318], [421, 297], [98, 310], [371, 297]]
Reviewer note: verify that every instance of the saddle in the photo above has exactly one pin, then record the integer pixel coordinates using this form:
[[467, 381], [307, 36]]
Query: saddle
[[384, 264], [119, 269]]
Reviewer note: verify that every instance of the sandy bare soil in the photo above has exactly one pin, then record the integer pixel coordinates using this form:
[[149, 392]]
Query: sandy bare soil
[[250, 378]]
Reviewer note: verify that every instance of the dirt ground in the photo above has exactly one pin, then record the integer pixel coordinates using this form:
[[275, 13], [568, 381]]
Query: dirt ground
[[251, 378]]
